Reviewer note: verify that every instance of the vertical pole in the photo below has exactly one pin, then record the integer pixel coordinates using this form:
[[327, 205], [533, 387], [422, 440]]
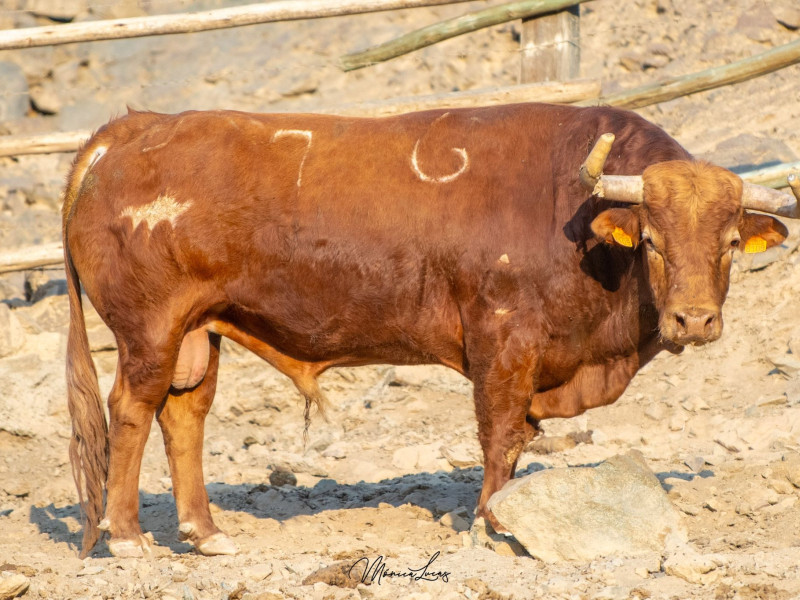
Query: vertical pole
[[551, 47]]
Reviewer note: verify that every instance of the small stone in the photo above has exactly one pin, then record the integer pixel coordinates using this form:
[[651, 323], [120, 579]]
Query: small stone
[[458, 519], [170, 595], [694, 404], [279, 477], [45, 100], [180, 572], [323, 488], [793, 475], [336, 450], [62, 11], [780, 486], [219, 447], [713, 504], [677, 422], [787, 15], [341, 574], [258, 572], [552, 444], [462, 456], [405, 459], [780, 506], [13, 586], [657, 412], [17, 487], [693, 567], [695, 463], [91, 570]]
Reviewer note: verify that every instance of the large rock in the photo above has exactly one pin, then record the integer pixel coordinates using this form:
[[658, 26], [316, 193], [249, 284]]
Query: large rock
[[581, 513]]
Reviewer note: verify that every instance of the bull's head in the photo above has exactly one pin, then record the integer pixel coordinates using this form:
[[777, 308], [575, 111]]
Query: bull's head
[[690, 217]]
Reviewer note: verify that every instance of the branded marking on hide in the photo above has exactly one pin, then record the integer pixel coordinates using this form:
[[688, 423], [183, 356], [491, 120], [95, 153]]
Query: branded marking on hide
[[462, 152], [163, 208], [445, 178], [304, 133]]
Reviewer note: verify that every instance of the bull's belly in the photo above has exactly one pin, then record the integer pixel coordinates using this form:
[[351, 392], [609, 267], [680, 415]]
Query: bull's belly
[[311, 332]]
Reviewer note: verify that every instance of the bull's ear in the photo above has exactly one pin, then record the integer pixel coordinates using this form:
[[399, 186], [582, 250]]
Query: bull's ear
[[760, 232], [618, 226]]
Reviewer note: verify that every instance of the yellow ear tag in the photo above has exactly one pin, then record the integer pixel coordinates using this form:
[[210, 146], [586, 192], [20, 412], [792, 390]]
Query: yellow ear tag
[[622, 238], [755, 245]]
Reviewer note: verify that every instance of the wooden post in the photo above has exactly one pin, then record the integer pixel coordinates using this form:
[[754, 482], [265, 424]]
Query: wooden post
[[551, 47]]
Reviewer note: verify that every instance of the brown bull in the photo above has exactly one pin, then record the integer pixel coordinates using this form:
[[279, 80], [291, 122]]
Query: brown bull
[[465, 238]]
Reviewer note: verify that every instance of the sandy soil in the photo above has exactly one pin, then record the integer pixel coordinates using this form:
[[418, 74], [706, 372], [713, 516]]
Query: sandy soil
[[390, 471]]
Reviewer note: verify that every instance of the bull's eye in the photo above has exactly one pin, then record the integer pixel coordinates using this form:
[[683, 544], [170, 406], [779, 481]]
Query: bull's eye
[[735, 242], [648, 243]]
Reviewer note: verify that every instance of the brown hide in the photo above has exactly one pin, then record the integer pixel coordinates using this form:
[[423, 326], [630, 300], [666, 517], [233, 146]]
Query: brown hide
[[457, 237]]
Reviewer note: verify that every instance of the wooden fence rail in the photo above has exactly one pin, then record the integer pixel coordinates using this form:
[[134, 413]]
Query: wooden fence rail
[[451, 28], [237, 16], [735, 72]]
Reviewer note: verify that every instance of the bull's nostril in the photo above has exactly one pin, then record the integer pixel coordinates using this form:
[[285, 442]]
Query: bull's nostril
[[709, 322], [681, 321]]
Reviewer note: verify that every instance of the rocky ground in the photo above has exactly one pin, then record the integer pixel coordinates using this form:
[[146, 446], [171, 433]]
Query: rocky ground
[[396, 470]]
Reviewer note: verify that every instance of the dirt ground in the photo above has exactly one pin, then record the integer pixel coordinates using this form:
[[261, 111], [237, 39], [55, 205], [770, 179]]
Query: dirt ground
[[395, 471]]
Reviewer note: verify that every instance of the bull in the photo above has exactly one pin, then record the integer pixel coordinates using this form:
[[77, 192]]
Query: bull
[[544, 252]]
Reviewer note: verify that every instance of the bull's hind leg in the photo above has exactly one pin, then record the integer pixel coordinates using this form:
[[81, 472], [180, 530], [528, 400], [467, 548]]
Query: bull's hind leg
[[140, 387], [182, 419]]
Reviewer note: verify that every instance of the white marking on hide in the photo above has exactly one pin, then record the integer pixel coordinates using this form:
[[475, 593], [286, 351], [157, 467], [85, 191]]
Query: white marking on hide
[[501, 311], [163, 208], [299, 133], [445, 178], [96, 155], [504, 259]]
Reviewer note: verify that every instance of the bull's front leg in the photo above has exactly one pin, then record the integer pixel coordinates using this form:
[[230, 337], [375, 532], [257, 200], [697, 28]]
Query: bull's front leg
[[591, 386], [503, 385]]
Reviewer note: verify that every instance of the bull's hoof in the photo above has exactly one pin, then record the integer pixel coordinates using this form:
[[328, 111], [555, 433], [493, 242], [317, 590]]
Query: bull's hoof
[[128, 548], [217, 544]]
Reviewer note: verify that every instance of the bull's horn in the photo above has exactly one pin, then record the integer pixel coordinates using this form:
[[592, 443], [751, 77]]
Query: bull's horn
[[623, 188], [772, 201]]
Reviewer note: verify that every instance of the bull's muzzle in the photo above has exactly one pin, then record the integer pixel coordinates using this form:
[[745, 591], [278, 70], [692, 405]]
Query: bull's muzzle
[[692, 325]]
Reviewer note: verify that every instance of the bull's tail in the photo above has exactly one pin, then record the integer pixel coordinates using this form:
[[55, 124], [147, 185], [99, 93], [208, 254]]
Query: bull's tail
[[88, 448]]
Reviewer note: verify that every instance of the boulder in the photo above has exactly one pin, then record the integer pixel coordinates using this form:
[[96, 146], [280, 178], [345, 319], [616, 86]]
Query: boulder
[[580, 513]]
